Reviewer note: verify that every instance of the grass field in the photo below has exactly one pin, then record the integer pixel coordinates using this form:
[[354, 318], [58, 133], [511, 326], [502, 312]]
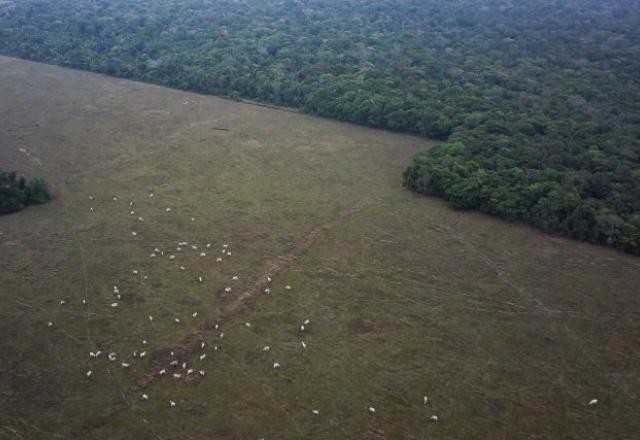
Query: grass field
[[508, 331]]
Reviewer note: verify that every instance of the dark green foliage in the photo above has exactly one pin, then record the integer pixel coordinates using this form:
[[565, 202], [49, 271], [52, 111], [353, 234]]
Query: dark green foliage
[[17, 194], [602, 207], [538, 100]]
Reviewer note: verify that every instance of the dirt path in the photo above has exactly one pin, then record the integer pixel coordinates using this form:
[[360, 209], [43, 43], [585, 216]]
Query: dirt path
[[281, 262], [189, 345]]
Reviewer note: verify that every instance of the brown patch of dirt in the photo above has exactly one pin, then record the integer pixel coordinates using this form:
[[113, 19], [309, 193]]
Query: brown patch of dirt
[[183, 351], [209, 324], [221, 294], [192, 378], [133, 298], [189, 301]]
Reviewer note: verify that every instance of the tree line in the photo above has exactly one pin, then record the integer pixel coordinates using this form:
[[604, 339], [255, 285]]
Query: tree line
[[537, 102]]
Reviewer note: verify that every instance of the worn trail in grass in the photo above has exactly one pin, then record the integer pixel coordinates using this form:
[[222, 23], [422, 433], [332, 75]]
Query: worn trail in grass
[[509, 332]]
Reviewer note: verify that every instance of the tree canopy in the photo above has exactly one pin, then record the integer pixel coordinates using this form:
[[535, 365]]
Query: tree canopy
[[538, 101], [17, 193]]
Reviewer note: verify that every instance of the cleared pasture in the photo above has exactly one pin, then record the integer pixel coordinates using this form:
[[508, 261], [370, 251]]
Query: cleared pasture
[[510, 332]]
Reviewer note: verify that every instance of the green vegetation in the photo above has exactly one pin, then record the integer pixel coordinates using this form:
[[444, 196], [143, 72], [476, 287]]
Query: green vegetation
[[18, 193], [539, 100], [509, 331]]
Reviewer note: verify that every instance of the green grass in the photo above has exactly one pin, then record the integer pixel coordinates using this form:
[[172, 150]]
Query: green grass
[[510, 332]]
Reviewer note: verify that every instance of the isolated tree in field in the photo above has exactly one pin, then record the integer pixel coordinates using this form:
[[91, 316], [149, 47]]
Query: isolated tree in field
[[18, 193]]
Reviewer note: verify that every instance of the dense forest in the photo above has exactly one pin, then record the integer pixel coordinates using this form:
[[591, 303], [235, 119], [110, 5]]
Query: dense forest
[[17, 193], [537, 102]]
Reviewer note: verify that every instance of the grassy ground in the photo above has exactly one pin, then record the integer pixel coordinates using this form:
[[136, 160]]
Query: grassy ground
[[509, 332]]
